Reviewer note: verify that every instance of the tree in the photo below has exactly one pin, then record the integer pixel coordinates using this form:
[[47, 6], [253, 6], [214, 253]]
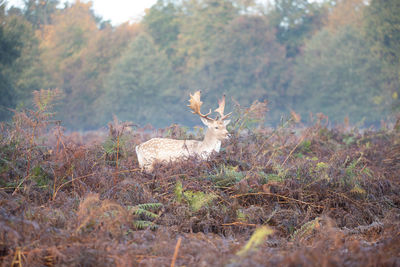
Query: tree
[[39, 12], [139, 86], [9, 41], [246, 62], [201, 23], [25, 71], [96, 59], [346, 13], [8, 53], [64, 40], [383, 30], [161, 22], [296, 20], [339, 76], [63, 44], [17, 47]]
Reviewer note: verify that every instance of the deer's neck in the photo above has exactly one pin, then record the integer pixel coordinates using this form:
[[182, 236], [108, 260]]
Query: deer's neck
[[210, 143]]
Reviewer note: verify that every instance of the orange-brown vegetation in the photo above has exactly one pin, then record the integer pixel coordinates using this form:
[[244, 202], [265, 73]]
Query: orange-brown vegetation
[[318, 197]]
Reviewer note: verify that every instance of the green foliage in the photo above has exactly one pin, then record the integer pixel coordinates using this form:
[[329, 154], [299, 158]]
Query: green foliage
[[147, 211], [10, 46], [353, 178], [144, 210], [241, 216], [246, 62], [321, 166], [227, 176], [113, 146], [202, 22], [40, 176], [383, 30], [10, 50], [272, 177], [139, 85], [304, 147], [178, 191], [39, 12], [197, 200], [248, 118], [256, 239], [281, 52], [338, 76], [358, 190], [162, 22], [140, 224], [295, 21], [349, 139], [8, 150]]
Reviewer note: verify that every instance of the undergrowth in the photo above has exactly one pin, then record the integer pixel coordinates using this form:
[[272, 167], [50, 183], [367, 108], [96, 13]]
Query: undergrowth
[[292, 195]]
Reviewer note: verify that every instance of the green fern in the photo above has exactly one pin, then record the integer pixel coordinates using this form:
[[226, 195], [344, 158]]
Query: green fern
[[227, 176], [256, 239], [306, 229], [178, 191], [150, 206], [197, 200], [145, 210], [140, 224]]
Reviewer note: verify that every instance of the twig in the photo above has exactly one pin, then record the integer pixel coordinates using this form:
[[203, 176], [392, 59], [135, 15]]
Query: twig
[[116, 164], [346, 197], [30, 150], [277, 195], [178, 244], [70, 181], [19, 185], [17, 258], [272, 134], [85, 176], [291, 152], [239, 223]]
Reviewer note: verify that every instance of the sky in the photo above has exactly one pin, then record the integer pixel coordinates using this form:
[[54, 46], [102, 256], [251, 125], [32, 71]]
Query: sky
[[118, 11]]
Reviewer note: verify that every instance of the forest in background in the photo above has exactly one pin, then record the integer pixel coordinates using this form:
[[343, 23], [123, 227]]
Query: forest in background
[[341, 58]]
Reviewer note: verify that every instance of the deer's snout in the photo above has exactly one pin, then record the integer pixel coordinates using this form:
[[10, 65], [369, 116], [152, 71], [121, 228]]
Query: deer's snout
[[226, 134]]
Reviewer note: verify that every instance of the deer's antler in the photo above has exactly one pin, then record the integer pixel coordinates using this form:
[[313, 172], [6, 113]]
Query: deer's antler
[[195, 105], [221, 109]]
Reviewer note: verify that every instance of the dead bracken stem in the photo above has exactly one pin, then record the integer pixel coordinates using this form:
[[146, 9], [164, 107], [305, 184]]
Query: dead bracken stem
[[178, 244], [116, 164], [30, 150], [70, 181], [240, 224], [86, 176], [291, 152], [279, 196], [17, 260]]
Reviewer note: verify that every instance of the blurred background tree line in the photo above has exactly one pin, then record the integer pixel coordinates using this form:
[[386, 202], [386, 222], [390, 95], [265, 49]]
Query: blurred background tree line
[[338, 57]]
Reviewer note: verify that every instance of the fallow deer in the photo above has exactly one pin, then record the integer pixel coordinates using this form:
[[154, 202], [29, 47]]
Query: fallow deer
[[165, 150]]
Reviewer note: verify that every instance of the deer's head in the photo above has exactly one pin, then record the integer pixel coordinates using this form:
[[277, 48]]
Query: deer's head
[[216, 126]]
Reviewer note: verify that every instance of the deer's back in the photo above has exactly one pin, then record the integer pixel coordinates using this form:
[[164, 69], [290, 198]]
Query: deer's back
[[163, 149]]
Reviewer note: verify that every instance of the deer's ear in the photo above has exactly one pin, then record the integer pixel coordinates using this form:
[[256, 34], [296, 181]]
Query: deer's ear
[[205, 121], [226, 122]]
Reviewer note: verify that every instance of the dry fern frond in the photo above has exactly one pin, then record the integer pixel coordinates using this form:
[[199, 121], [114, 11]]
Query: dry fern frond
[[95, 212], [44, 99], [306, 229]]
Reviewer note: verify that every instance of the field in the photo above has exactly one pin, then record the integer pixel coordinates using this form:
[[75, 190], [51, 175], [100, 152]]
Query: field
[[287, 196]]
